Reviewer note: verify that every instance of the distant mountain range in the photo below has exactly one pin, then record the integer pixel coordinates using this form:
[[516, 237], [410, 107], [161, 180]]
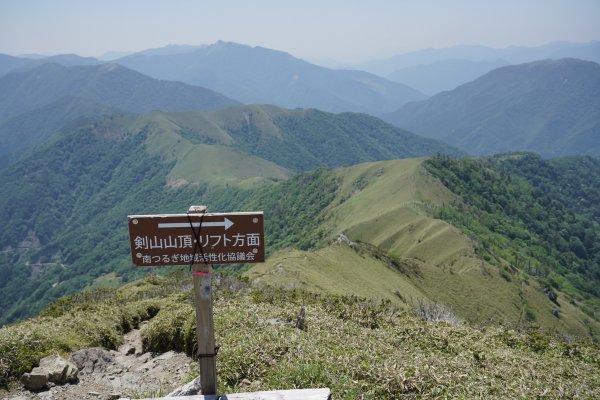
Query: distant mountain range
[[443, 75], [37, 101], [512, 55], [252, 75], [551, 107], [264, 76], [10, 63], [260, 75], [434, 70]]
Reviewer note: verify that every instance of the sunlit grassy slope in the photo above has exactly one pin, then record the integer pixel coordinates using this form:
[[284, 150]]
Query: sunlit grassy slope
[[246, 145], [389, 205], [337, 269], [201, 153]]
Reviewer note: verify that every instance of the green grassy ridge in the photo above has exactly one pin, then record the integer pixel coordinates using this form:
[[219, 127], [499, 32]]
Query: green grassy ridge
[[340, 270], [239, 145], [387, 204], [201, 151], [358, 348], [281, 139], [391, 205]]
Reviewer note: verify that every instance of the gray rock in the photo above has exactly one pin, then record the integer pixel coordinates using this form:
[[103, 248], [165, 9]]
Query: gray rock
[[188, 389], [46, 396], [94, 359], [36, 379], [60, 370]]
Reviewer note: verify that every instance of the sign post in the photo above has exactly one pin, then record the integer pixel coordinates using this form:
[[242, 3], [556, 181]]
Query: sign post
[[205, 328], [199, 239]]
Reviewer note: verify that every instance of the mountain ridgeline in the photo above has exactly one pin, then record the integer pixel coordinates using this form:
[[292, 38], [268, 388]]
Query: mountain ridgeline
[[353, 205], [589, 51], [551, 107], [40, 100], [441, 230], [443, 75], [474, 235], [260, 75], [64, 206]]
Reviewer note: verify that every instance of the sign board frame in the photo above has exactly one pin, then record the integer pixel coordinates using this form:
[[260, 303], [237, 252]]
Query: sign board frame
[[197, 238]]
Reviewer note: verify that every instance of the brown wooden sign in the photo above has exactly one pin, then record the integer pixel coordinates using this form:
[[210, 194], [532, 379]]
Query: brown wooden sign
[[185, 239]]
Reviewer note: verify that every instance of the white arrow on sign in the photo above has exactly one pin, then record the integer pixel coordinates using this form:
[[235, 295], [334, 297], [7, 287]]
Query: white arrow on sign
[[226, 223]]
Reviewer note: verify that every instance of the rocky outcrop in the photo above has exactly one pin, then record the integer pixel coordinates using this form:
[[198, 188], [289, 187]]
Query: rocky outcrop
[[189, 389], [54, 369], [60, 370], [35, 380], [111, 374], [92, 360], [550, 294]]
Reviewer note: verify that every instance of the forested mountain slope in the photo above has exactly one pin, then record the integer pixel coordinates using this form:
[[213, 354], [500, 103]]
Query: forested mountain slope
[[65, 205], [551, 107], [110, 85]]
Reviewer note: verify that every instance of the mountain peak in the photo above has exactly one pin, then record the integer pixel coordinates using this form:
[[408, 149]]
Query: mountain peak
[[267, 76]]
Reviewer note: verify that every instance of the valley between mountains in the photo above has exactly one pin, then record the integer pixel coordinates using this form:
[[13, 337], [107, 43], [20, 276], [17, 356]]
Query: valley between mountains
[[462, 260]]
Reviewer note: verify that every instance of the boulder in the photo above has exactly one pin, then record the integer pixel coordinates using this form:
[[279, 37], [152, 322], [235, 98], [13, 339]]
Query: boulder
[[94, 359], [188, 389], [36, 379], [60, 371]]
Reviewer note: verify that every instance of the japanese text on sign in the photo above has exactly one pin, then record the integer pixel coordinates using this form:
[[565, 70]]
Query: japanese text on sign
[[180, 239]]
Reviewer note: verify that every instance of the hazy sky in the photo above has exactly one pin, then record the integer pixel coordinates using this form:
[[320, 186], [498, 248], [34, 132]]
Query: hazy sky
[[324, 30]]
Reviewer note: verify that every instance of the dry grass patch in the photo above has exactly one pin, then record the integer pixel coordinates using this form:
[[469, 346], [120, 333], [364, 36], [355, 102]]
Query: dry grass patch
[[358, 348]]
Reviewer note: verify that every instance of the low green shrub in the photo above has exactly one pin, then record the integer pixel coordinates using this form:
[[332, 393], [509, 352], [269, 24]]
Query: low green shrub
[[88, 319]]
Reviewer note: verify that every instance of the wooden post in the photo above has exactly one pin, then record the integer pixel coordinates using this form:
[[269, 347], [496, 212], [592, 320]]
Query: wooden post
[[205, 329]]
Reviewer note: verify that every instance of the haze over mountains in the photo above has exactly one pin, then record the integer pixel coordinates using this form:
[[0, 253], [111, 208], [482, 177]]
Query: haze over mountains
[[434, 70], [551, 107], [255, 75], [259, 75], [219, 67], [443, 75], [39, 100]]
